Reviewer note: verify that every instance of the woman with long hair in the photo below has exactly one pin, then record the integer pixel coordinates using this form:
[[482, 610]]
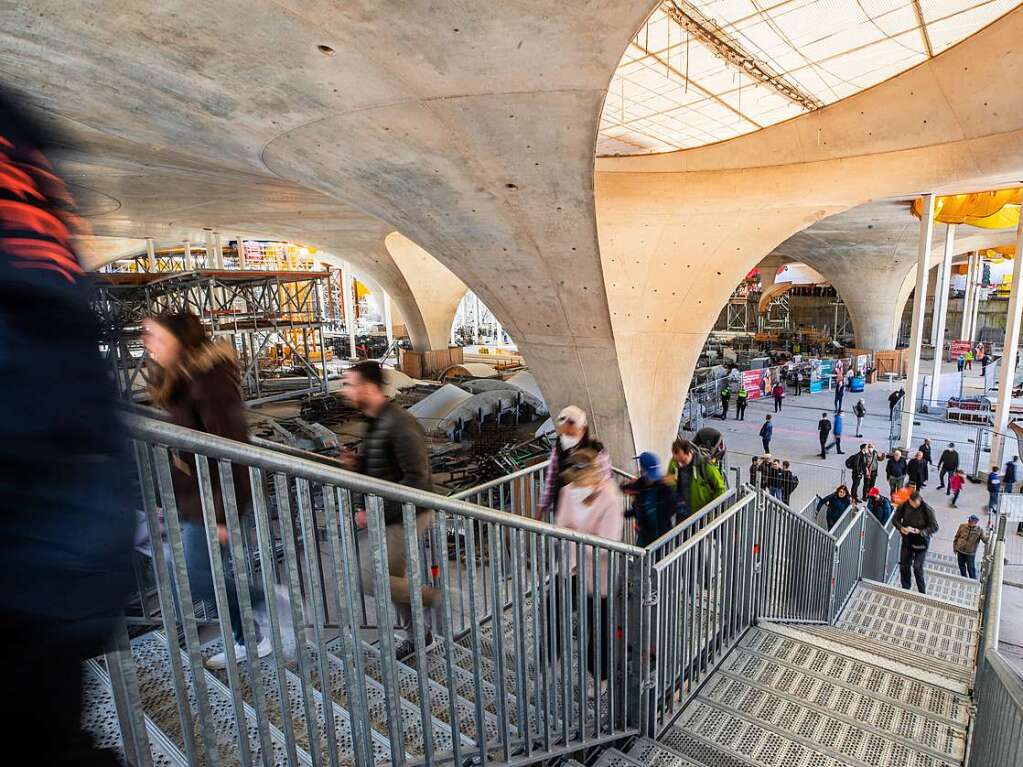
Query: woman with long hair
[[573, 434], [197, 381]]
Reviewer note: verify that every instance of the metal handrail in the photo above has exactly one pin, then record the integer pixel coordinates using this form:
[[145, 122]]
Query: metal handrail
[[494, 483], [682, 528], [212, 446]]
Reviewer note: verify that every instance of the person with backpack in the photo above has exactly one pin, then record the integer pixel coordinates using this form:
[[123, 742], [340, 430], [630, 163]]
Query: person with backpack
[[994, 487], [774, 480], [896, 470], [955, 484], [1010, 474], [967, 539], [788, 481], [878, 505], [653, 505], [778, 392], [823, 431], [837, 503], [860, 411], [698, 480], [726, 396], [916, 470], [916, 522], [766, 432], [741, 397], [948, 463], [858, 463]]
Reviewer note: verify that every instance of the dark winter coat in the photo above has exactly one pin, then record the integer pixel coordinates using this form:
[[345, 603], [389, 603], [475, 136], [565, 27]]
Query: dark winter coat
[[836, 507], [896, 468], [653, 508], [949, 459], [926, 450], [394, 449], [916, 470], [1009, 475], [209, 400], [767, 431], [922, 518], [880, 507], [824, 428]]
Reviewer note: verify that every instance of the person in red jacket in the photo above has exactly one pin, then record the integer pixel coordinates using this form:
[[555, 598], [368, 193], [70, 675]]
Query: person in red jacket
[[779, 394]]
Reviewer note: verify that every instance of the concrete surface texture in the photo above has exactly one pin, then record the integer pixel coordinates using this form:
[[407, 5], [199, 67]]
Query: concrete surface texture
[[869, 254], [470, 129]]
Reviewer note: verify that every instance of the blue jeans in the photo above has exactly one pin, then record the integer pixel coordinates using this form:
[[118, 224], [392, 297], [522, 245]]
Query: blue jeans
[[200, 576]]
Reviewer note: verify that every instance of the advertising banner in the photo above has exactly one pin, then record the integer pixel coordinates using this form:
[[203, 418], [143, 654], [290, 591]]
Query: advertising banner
[[751, 382], [955, 348]]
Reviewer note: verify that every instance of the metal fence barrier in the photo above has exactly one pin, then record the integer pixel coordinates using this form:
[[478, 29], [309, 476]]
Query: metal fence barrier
[[582, 640], [998, 723], [881, 544], [544, 625]]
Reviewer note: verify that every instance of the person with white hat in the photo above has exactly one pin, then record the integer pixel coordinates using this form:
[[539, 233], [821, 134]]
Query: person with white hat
[[573, 435]]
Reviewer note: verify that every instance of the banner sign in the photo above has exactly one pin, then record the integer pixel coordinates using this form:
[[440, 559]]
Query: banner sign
[[751, 382], [955, 348]]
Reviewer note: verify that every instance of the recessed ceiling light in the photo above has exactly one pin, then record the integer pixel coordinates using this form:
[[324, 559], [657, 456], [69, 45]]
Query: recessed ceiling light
[[326, 50]]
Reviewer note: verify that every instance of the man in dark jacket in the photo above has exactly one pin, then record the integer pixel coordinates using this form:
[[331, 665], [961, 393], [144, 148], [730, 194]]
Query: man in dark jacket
[[788, 481], [893, 400], [1009, 476], [653, 504], [925, 448], [896, 470], [948, 462], [766, 432], [726, 396], [65, 522], [916, 470], [823, 431], [393, 449], [858, 463], [916, 522]]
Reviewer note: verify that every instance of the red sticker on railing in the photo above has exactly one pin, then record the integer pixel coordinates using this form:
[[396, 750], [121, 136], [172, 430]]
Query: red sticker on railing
[[435, 571], [756, 549]]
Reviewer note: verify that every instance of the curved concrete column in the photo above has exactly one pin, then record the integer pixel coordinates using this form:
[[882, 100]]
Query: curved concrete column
[[768, 268], [436, 290]]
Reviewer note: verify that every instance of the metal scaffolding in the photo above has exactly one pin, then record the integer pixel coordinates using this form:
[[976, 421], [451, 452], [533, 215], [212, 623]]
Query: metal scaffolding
[[273, 320]]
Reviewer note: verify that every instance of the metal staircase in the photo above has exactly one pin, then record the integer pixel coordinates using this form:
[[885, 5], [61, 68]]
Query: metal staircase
[[748, 637]]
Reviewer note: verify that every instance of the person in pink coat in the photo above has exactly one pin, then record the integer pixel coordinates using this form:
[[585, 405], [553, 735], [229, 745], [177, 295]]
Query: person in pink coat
[[590, 502]]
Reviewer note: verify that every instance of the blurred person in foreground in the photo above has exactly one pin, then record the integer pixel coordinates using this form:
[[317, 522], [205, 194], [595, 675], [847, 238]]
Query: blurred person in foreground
[[653, 504], [591, 503], [393, 449], [198, 382], [66, 527], [573, 434]]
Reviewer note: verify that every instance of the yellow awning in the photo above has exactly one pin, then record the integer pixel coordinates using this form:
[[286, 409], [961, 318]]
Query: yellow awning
[[998, 209]]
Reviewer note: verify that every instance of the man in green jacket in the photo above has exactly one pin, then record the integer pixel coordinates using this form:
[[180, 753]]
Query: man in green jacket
[[698, 481]]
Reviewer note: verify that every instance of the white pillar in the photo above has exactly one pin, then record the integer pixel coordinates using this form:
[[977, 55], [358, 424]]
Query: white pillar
[[388, 327], [210, 258], [1007, 371], [964, 325], [978, 288], [476, 319], [150, 255], [242, 260], [218, 251], [941, 311], [189, 261], [917, 329], [347, 291]]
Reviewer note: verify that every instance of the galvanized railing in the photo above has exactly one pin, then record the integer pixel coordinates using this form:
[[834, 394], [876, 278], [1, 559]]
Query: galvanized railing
[[848, 558], [578, 640], [998, 689], [795, 565], [532, 627], [881, 545]]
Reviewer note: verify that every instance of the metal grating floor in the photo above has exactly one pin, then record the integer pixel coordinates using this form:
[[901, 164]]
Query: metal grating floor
[[612, 757], [868, 679], [947, 586], [921, 627], [654, 754]]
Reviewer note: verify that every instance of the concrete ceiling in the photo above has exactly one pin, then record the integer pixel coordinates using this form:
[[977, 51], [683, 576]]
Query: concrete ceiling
[[471, 130]]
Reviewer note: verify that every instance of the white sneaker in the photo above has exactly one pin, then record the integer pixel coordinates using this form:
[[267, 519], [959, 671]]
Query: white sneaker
[[219, 661]]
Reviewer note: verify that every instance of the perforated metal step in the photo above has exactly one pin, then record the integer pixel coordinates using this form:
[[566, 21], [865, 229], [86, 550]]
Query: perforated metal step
[[156, 688], [915, 624], [410, 714], [772, 731], [408, 686], [100, 722], [947, 586], [803, 655], [612, 757], [654, 754], [296, 710]]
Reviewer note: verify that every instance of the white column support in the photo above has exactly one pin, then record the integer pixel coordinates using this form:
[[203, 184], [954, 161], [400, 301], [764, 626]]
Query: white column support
[[941, 312], [476, 319], [388, 326], [964, 324], [243, 262], [210, 258], [917, 329], [151, 254], [347, 292], [189, 261], [1007, 370], [978, 286], [218, 251]]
